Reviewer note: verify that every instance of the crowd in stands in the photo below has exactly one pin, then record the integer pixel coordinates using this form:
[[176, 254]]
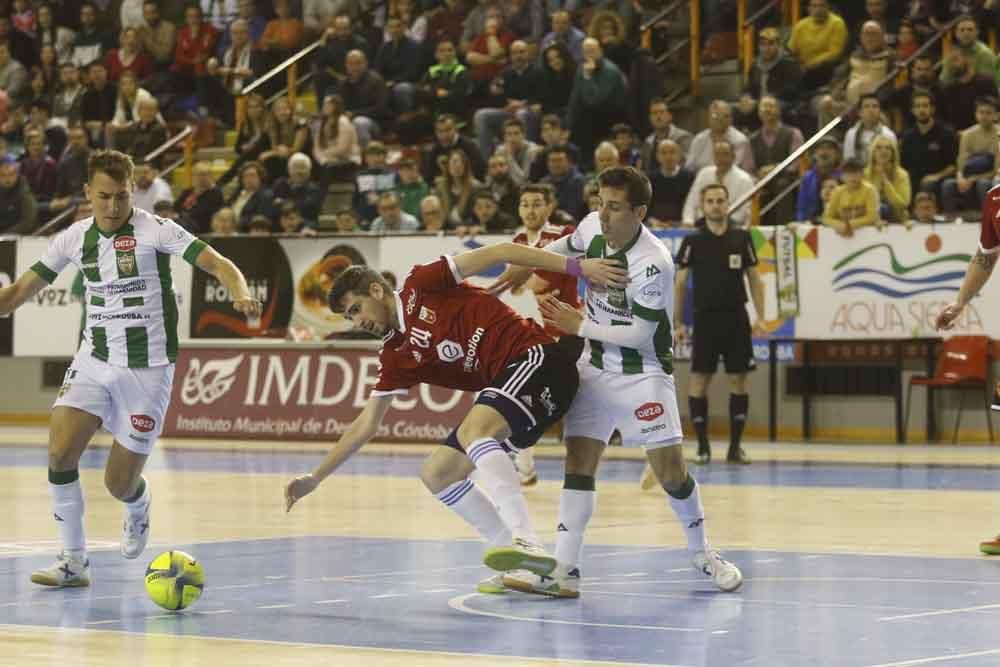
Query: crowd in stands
[[434, 114]]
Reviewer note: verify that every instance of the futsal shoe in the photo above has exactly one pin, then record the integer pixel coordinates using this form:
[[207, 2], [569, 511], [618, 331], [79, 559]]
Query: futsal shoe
[[66, 572], [135, 533], [704, 457], [557, 586], [995, 405], [521, 555], [724, 574], [492, 585], [738, 455], [991, 547]]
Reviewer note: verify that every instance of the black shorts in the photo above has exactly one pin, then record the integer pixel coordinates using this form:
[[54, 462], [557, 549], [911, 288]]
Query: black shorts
[[722, 333], [532, 392]]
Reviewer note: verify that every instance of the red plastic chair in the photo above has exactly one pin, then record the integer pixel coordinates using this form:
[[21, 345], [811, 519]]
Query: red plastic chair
[[964, 363]]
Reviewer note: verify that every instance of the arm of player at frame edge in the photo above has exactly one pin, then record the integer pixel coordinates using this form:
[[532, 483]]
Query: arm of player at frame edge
[[600, 271], [980, 269], [514, 277], [14, 296], [362, 429], [227, 273]]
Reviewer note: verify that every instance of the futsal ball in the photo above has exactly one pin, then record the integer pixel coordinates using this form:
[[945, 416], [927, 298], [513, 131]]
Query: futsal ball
[[174, 580]]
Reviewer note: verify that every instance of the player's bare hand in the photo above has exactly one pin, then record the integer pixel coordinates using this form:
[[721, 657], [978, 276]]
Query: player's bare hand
[[249, 307], [607, 272], [560, 315], [759, 330], [946, 319], [299, 488], [513, 279], [681, 336]]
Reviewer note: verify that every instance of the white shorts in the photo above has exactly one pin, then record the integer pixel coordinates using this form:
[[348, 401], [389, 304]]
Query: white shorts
[[642, 407], [131, 402]]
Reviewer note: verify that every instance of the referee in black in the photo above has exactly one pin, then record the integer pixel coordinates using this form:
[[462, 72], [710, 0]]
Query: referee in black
[[719, 254]]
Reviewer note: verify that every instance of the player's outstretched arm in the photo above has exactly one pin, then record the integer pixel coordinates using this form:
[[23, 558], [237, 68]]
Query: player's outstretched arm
[[229, 275], [979, 271], [599, 271], [25, 287], [362, 429]]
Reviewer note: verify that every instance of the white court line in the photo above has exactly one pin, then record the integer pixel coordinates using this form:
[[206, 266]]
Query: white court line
[[274, 606], [743, 600], [942, 612], [938, 658], [159, 616], [212, 612], [440, 590], [111, 620], [276, 577], [458, 604], [768, 560], [328, 601], [387, 595], [634, 574]]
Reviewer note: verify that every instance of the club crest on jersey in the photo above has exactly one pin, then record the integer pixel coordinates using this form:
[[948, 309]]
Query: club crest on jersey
[[125, 255], [427, 315]]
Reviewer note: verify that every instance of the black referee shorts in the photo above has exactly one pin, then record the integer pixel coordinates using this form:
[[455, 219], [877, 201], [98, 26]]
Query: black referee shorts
[[722, 333]]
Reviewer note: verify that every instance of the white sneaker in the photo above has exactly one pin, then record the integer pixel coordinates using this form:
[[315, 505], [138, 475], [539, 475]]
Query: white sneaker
[[492, 585], [521, 555], [725, 575], [65, 572], [558, 585], [135, 533]]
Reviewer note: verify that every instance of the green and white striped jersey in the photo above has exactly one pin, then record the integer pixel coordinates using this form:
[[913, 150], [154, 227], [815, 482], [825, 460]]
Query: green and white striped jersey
[[648, 297], [130, 309]]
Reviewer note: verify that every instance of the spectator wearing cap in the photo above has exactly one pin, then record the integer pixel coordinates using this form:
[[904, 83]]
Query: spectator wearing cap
[[149, 187], [412, 187], [774, 72], [825, 164], [18, 207], [662, 122], [198, 204], [300, 189], [290, 220], [391, 217], [13, 78]]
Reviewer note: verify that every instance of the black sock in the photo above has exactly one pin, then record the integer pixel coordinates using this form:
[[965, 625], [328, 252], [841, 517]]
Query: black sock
[[684, 491], [699, 417], [739, 405], [65, 477], [139, 490], [579, 482]]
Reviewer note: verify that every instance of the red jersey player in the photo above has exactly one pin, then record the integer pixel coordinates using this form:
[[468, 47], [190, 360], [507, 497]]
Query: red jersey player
[[439, 330], [979, 271]]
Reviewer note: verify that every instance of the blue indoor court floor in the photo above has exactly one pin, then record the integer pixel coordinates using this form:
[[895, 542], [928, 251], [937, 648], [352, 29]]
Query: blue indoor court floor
[[844, 564]]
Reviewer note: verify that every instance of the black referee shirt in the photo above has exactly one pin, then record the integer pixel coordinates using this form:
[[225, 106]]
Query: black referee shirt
[[717, 264]]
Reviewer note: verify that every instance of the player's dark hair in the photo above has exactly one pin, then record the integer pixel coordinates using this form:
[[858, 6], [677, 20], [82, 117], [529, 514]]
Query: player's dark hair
[[356, 280], [115, 164], [544, 189], [637, 187]]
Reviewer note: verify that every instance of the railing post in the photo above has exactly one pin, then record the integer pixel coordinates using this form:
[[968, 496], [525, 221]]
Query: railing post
[[241, 112], [189, 159], [755, 209], [796, 11], [946, 44], [748, 49], [293, 72], [646, 39], [741, 19], [695, 48]]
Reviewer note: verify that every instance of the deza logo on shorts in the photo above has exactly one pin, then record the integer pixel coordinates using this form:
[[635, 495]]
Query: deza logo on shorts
[[648, 412], [125, 243], [143, 423]]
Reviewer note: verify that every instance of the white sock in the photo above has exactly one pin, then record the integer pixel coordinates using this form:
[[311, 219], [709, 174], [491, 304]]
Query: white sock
[[692, 517], [505, 485], [67, 506], [575, 509], [525, 460], [140, 505], [469, 502]]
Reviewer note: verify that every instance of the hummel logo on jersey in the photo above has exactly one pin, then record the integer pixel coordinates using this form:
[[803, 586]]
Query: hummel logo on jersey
[[651, 271], [562, 528]]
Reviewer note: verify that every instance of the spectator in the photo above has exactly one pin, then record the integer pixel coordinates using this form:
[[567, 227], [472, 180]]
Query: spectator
[[13, 78], [22, 15], [317, 14], [145, 134], [769, 146], [432, 213], [373, 179], [391, 217], [825, 165], [598, 98], [224, 222], [219, 13], [663, 128], [58, 37], [128, 57], [149, 187], [889, 179], [519, 86], [526, 19], [282, 36], [90, 42], [876, 12], [336, 151], [48, 68], [127, 101], [55, 133], [605, 157], [906, 41], [977, 161], [71, 173], [412, 188], [475, 22], [18, 208], [447, 22], [198, 204], [567, 181], [558, 75], [870, 64], [501, 184], [256, 24], [225, 81], [68, 101], [960, 96], [331, 58], [97, 106], [566, 34], [863, 133], [929, 149], [260, 225], [980, 57], [195, 45], [623, 137], [817, 42], [518, 152], [553, 135], [346, 222], [446, 83], [366, 98], [290, 220], [165, 209], [158, 36], [608, 28], [774, 72], [487, 53], [398, 63], [455, 187], [253, 138], [22, 48], [720, 126], [924, 208], [253, 198], [671, 183], [37, 168], [724, 172], [922, 79], [854, 204], [447, 138], [287, 135], [299, 188], [486, 217]]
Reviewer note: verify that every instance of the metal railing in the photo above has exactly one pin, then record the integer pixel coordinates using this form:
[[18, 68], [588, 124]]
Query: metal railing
[[289, 65], [748, 30], [802, 150]]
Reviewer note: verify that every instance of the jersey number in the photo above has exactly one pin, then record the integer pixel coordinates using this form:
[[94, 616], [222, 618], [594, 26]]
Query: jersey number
[[420, 338]]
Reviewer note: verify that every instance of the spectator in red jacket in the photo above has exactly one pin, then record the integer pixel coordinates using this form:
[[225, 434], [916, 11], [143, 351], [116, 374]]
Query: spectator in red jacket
[[195, 45]]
